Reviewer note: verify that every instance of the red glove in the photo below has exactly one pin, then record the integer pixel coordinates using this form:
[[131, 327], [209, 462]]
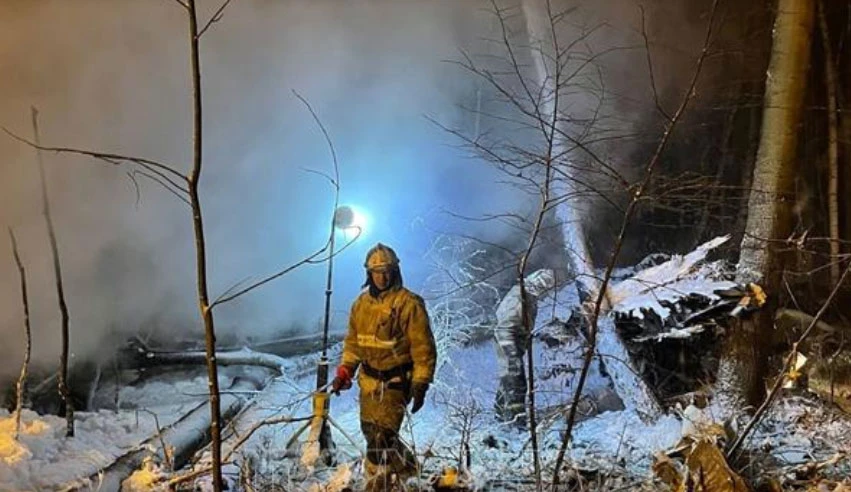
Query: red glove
[[343, 380]]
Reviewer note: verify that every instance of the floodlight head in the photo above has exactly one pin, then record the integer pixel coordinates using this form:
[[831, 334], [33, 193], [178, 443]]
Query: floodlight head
[[344, 217], [347, 217]]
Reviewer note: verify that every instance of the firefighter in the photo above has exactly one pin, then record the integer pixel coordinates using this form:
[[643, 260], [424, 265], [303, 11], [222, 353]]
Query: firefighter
[[512, 340], [390, 342]]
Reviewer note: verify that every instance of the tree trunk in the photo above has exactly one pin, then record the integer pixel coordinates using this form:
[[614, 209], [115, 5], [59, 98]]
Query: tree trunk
[[22, 379], [67, 408], [201, 251], [832, 146], [771, 196]]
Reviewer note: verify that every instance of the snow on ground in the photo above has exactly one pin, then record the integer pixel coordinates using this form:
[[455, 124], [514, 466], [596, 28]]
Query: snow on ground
[[459, 409], [459, 412], [799, 429], [43, 459]]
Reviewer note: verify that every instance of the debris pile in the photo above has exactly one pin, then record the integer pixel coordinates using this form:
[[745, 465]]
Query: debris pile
[[671, 316]]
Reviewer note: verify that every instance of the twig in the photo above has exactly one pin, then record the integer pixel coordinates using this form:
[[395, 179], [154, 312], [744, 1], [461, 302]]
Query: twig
[[650, 66], [28, 351], [790, 360], [327, 140], [308, 260], [201, 471], [108, 157], [160, 181], [215, 18], [132, 178], [335, 182], [320, 173], [169, 459]]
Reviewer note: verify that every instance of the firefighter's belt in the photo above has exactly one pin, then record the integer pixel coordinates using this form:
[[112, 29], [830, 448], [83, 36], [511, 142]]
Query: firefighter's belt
[[388, 374]]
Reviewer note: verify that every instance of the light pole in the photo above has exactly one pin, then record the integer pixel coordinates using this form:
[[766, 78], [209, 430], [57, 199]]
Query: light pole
[[319, 442], [344, 218]]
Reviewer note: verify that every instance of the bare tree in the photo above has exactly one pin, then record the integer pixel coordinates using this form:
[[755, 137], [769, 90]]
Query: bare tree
[[67, 409], [22, 378], [637, 196], [558, 164], [832, 145], [533, 166]]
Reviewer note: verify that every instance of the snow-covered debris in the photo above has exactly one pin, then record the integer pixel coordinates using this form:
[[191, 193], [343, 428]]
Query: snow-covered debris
[[672, 333], [655, 288]]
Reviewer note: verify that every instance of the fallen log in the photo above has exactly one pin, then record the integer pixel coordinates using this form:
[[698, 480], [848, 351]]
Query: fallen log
[[295, 346], [279, 355], [285, 346], [183, 438], [145, 357]]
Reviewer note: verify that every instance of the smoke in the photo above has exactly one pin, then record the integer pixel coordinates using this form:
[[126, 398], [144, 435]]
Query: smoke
[[113, 76]]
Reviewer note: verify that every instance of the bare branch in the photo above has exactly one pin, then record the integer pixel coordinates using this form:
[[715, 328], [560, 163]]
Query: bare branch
[[514, 63], [327, 140], [160, 180], [485, 217], [478, 280], [114, 159], [207, 469], [138, 191], [215, 18], [650, 66], [311, 259], [534, 115], [227, 298], [320, 173]]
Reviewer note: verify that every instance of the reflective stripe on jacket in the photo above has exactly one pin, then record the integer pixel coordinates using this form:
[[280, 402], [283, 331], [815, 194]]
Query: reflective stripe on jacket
[[390, 330]]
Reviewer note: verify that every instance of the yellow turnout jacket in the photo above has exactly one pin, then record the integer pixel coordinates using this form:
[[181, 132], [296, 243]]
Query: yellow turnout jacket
[[390, 330]]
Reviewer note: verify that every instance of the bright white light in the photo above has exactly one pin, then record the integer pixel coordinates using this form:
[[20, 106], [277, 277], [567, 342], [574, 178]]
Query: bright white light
[[350, 219], [359, 219]]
